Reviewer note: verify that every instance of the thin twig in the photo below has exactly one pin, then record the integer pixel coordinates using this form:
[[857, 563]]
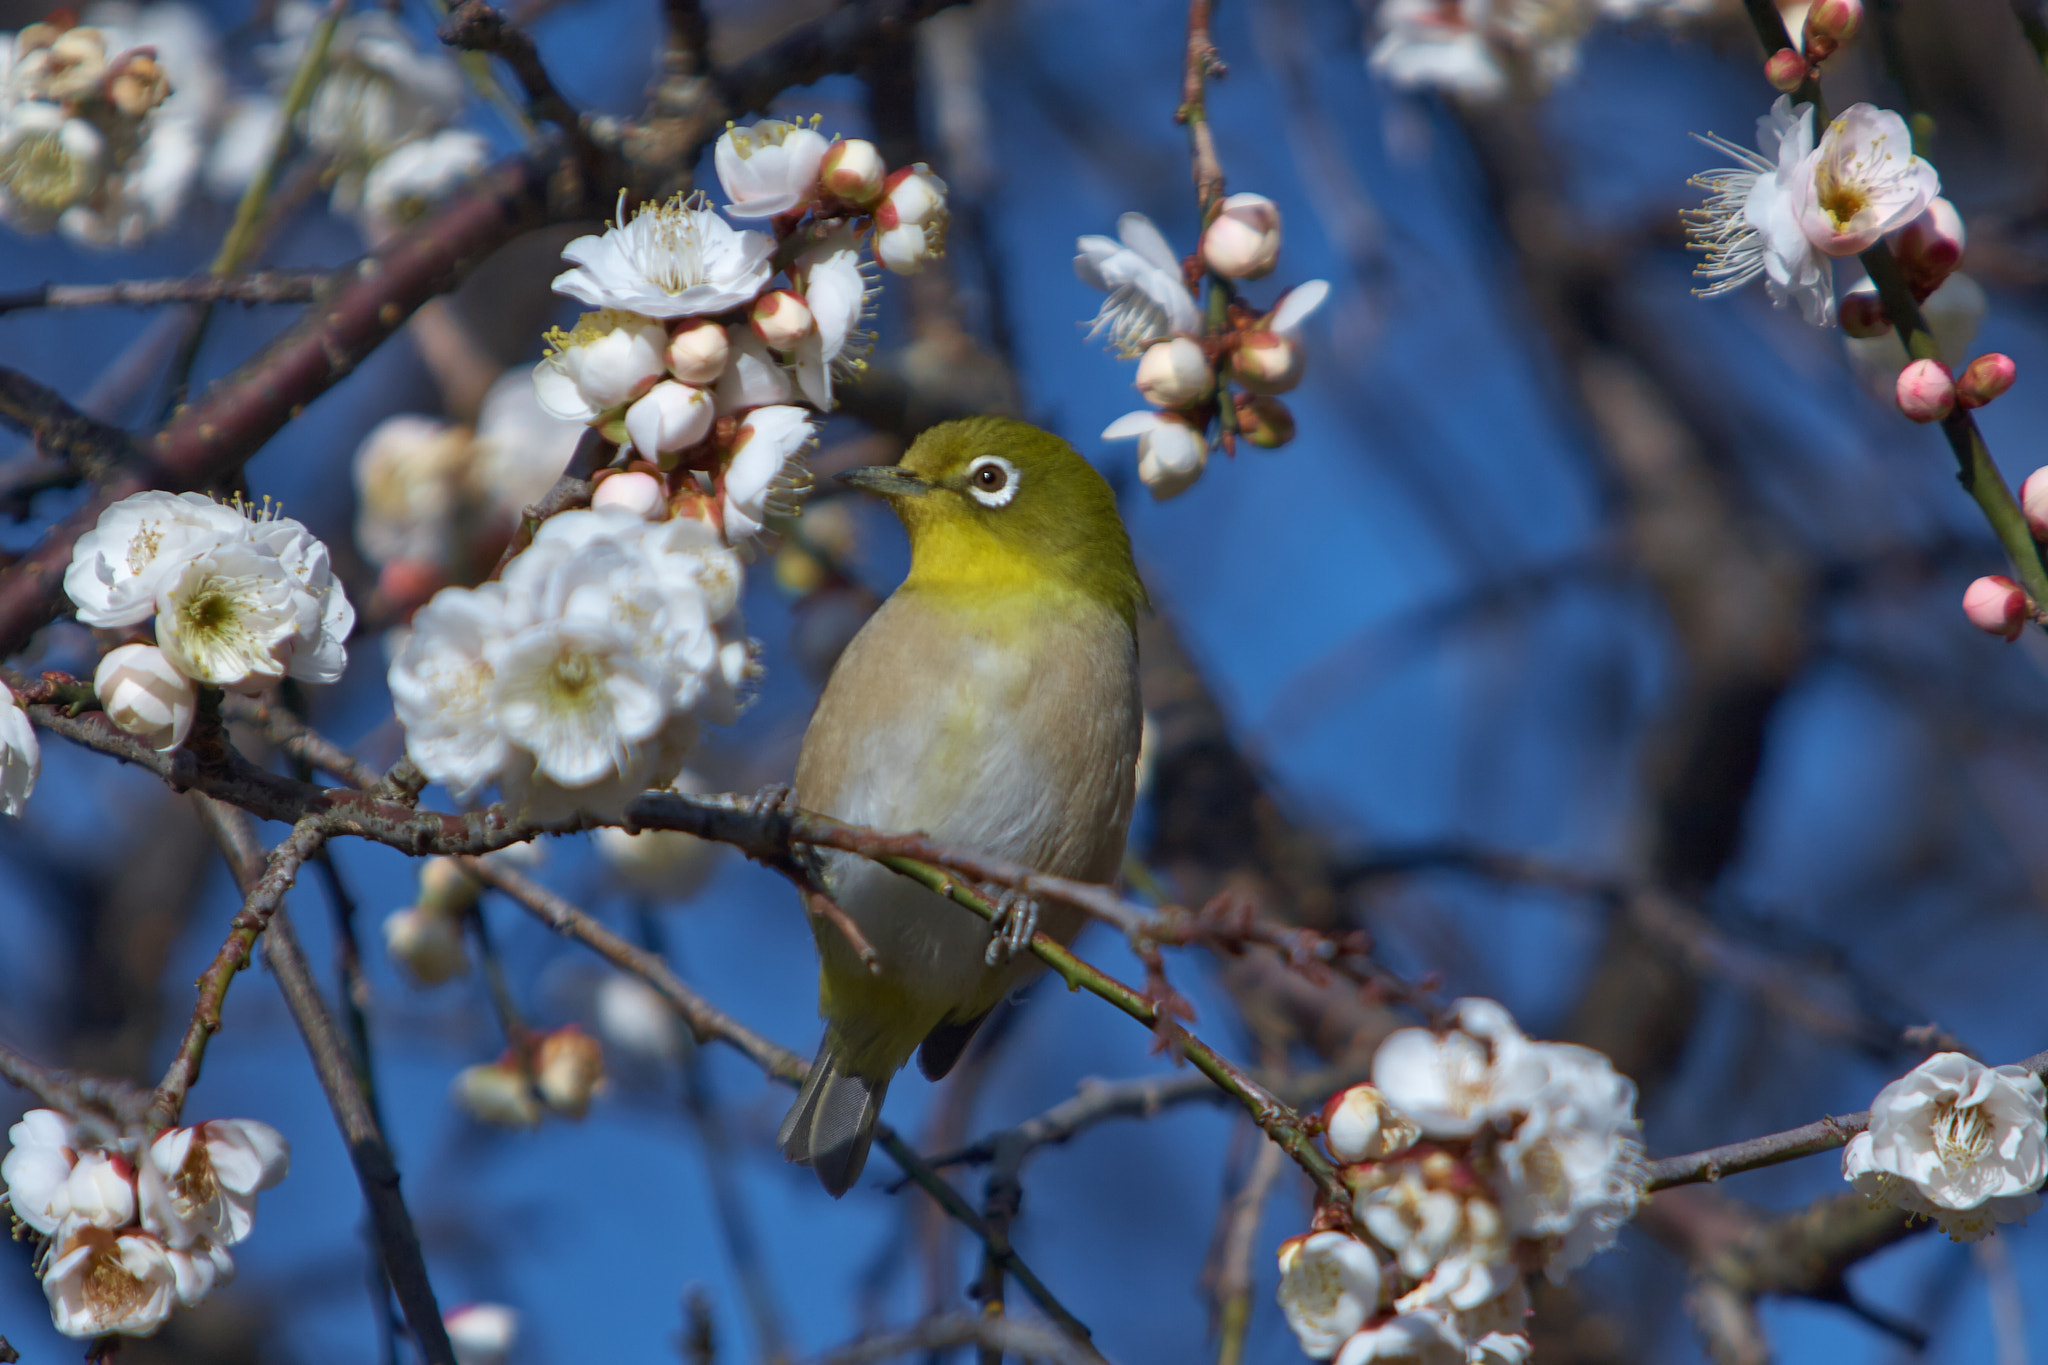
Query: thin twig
[[1232, 1291], [114, 1104], [846, 39], [1202, 63], [476, 27], [1025, 1340], [93, 448], [263, 286]]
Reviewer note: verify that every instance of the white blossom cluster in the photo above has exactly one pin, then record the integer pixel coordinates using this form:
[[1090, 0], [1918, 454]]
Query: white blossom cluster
[[242, 597], [1476, 1153], [104, 124], [1482, 49], [1958, 1142], [1186, 351], [577, 680], [134, 1228], [691, 328]]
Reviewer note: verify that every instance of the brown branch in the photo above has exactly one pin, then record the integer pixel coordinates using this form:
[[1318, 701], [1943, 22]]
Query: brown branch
[[263, 286], [934, 1337], [1202, 63], [113, 1105], [60, 431], [851, 36], [476, 27], [1822, 1135], [264, 895]]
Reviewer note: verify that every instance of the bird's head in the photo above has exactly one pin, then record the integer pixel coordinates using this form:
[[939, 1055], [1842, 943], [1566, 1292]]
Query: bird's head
[[995, 505]]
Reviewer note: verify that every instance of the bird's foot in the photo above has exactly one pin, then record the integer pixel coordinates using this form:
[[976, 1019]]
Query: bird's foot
[[777, 798], [1015, 922]]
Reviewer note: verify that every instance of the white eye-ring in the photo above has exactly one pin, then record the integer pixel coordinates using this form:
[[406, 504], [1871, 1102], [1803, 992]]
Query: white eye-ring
[[993, 480]]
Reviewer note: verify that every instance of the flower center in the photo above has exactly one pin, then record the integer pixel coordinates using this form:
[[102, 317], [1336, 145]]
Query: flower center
[[208, 615], [195, 1186], [142, 549], [1320, 1288], [42, 174], [110, 1291], [572, 680], [1961, 1136], [1842, 201], [667, 245]]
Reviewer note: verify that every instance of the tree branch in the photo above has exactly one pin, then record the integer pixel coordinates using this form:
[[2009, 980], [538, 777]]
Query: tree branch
[[847, 38], [263, 286], [92, 447]]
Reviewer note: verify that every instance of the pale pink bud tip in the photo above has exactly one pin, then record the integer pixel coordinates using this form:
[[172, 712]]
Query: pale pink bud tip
[[632, 491], [1996, 606], [1829, 24], [1243, 240], [854, 171], [2034, 501], [1988, 376], [1926, 391], [781, 318], [1862, 314], [1786, 69]]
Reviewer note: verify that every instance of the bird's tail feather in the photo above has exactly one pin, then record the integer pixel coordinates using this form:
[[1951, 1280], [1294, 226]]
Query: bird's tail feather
[[832, 1123]]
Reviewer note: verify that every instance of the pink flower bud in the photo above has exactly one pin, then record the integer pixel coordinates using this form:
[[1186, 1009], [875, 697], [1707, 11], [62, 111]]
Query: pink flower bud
[[1829, 24], [404, 585], [1988, 376], [1175, 373], [1242, 242], [1926, 391], [1786, 69], [145, 696], [1264, 421], [1996, 606], [2034, 502], [854, 171], [1267, 362], [632, 491], [698, 351], [1930, 247], [670, 417], [781, 318], [1862, 314]]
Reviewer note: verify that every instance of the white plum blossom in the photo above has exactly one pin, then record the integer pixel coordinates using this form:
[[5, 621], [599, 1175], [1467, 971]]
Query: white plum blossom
[[230, 616], [1422, 1338], [1359, 1125], [521, 448], [1427, 44], [1863, 181], [380, 90], [99, 1192], [101, 1282], [668, 418], [1171, 452], [1243, 240], [1958, 1141], [317, 651], [769, 168], [1426, 1218], [1572, 1172], [609, 360], [43, 1149], [201, 1182], [414, 176], [575, 694], [1148, 297], [767, 470], [672, 260], [753, 377], [1329, 1286], [140, 543], [837, 293], [1455, 1083], [21, 757], [410, 476], [442, 688], [482, 1333], [910, 222], [1750, 225]]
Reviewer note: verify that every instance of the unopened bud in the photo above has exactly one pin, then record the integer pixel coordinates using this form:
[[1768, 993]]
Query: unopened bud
[[698, 351], [1242, 242], [404, 585], [913, 197], [668, 418], [1175, 373], [1267, 362], [1930, 247], [143, 694], [1996, 606], [568, 1068], [2034, 502], [854, 171], [1786, 70], [446, 888], [136, 83], [1862, 314], [1926, 391], [1988, 376], [497, 1092], [1264, 421], [781, 319], [632, 491], [637, 1020], [482, 1333], [426, 944], [1829, 24], [1359, 1125]]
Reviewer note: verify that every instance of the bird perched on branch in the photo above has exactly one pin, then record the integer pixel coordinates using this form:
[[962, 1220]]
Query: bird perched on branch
[[991, 703]]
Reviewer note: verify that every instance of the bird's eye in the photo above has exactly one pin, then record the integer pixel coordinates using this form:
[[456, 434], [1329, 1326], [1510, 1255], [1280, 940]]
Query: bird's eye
[[993, 480]]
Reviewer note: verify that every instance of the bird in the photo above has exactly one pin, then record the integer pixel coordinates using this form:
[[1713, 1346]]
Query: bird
[[990, 703]]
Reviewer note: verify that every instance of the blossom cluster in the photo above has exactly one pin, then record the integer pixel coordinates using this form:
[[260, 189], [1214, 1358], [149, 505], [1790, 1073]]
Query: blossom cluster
[[103, 124], [1958, 1142], [243, 597], [136, 1227], [578, 679], [1481, 49], [1188, 354], [694, 356], [559, 1071], [1476, 1154]]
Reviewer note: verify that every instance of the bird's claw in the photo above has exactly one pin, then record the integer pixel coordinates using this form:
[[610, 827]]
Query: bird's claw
[[1016, 920], [777, 798]]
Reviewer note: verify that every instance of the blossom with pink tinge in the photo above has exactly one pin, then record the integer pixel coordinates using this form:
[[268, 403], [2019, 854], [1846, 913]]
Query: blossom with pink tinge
[[2034, 502], [769, 168], [1988, 376], [697, 351], [1359, 1125], [668, 418], [1862, 314], [1829, 24], [1786, 70], [1926, 391], [1930, 247], [1329, 1287], [42, 1150], [101, 1282], [202, 1181], [568, 1070], [1267, 362], [781, 319], [634, 491], [1862, 181], [853, 170], [1243, 240], [143, 694], [1997, 606]]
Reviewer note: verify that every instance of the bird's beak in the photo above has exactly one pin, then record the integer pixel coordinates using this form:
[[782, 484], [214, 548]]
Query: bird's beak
[[889, 480]]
